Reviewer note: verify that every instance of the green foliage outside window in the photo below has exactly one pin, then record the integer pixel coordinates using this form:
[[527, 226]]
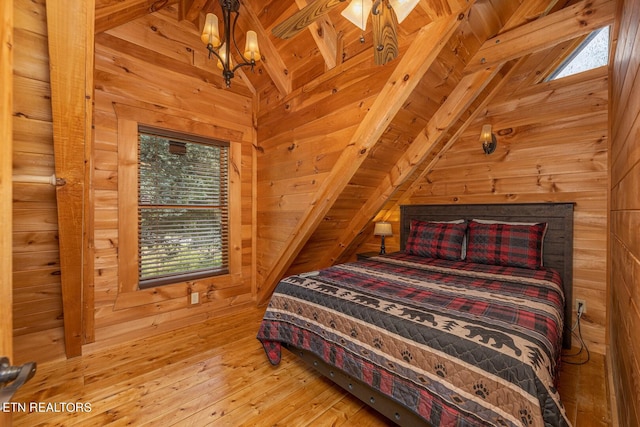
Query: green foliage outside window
[[182, 209]]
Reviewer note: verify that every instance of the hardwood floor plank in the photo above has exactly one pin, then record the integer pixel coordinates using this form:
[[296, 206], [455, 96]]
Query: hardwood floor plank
[[267, 407], [322, 397], [225, 411], [218, 389], [174, 392], [216, 373], [171, 347]]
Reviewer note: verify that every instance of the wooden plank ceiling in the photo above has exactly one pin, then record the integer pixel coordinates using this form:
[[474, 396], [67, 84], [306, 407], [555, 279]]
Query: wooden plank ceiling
[[455, 55]]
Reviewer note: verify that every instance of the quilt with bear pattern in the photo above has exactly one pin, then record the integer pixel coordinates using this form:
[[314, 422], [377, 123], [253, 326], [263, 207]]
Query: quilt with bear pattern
[[457, 343]]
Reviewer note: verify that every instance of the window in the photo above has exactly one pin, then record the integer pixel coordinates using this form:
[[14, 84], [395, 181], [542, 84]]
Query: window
[[592, 53], [183, 212]]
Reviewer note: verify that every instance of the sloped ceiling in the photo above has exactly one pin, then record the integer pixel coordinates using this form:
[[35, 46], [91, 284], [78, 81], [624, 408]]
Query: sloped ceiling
[[454, 56], [331, 40]]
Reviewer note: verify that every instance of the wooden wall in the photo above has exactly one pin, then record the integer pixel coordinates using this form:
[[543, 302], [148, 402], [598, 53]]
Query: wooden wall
[[552, 147], [164, 80], [325, 157], [37, 308], [624, 299], [300, 143], [6, 186]]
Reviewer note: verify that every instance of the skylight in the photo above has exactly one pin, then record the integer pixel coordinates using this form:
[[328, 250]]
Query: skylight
[[592, 53]]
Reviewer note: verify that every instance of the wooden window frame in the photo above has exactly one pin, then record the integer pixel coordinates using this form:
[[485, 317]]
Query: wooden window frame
[[575, 49], [222, 188], [129, 293]]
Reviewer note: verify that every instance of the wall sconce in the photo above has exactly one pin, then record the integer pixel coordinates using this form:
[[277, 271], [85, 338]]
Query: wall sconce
[[488, 140], [382, 229]]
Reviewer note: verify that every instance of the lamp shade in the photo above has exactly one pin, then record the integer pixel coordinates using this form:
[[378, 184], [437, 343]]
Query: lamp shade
[[251, 49], [382, 229], [488, 140], [485, 134], [210, 34], [402, 8], [358, 12]]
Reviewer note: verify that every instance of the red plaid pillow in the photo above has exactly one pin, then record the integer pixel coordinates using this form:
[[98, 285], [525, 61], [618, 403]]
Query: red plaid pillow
[[436, 239], [510, 245]]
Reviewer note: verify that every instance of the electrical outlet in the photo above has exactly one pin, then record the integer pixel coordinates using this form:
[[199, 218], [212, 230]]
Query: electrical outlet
[[581, 305], [195, 297]]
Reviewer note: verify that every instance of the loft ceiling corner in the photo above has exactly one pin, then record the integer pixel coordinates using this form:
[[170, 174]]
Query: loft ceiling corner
[[563, 25], [529, 11], [467, 99], [325, 36], [427, 147], [436, 9], [190, 10], [420, 55]]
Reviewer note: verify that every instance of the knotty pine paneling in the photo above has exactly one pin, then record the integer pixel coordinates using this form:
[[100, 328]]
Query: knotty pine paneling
[[624, 295], [552, 147], [37, 309], [139, 67], [150, 65], [302, 138], [394, 158], [33, 57], [300, 141]]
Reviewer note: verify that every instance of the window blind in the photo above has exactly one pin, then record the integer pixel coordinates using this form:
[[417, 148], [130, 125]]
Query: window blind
[[183, 222]]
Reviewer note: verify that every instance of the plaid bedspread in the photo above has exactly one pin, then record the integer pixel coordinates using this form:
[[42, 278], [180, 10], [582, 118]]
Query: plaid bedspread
[[458, 343]]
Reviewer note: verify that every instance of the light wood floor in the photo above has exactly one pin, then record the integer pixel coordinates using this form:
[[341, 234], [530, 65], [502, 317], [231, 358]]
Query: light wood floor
[[217, 373]]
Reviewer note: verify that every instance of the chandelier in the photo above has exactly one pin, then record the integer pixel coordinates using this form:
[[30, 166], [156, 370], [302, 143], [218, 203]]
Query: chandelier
[[221, 48]]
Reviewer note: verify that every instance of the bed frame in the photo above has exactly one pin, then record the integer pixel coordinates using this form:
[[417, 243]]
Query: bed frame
[[557, 254]]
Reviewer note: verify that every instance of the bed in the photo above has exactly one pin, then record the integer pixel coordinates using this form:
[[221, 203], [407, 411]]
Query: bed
[[462, 326]]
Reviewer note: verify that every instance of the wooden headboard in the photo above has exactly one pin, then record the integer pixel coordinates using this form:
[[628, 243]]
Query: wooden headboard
[[558, 241]]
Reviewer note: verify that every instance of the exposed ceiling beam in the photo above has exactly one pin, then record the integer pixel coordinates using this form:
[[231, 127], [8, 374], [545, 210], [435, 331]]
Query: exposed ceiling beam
[[420, 55], [190, 9], [325, 36], [71, 69], [437, 136], [271, 58], [563, 25], [429, 141], [493, 89], [113, 13], [559, 29], [437, 9], [527, 12], [523, 14]]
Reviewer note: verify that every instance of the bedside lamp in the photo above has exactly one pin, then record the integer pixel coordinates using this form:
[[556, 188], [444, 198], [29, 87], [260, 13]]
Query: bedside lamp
[[382, 229]]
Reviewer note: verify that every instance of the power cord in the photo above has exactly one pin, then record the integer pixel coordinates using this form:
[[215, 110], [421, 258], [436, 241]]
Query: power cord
[[583, 345]]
